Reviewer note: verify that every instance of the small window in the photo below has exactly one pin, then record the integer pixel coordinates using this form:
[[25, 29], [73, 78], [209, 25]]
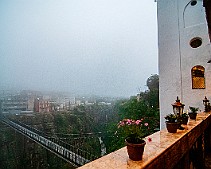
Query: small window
[[193, 3], [198, 79], [196, 42]]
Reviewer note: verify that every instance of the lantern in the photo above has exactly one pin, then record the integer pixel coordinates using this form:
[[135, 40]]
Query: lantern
[[205, 103], [178, 107]]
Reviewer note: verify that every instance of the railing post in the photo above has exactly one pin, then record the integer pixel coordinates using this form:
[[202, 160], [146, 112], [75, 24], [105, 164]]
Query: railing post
[[207, 135], [197, 154], [184, 163]]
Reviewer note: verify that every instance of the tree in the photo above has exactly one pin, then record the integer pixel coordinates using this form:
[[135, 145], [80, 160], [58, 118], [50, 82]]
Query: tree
[[146, 108], [153, 82], [151, 96]]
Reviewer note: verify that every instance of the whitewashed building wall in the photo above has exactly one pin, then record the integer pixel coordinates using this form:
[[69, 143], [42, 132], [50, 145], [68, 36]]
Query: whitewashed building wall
[[178, 23]]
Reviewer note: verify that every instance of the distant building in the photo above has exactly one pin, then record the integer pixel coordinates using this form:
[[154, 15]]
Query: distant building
[[41, 105], [14, 103]]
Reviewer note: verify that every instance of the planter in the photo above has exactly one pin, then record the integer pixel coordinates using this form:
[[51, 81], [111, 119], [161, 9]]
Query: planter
[[135, 151], [192, 115], [184, 121], [172, 127]]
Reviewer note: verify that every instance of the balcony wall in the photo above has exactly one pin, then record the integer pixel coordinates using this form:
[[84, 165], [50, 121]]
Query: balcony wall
[[184, 149]]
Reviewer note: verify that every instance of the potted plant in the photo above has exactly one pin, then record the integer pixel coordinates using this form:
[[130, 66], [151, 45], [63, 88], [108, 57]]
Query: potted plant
[[134, 132], [193, 112], [171, 123], [184, 118]]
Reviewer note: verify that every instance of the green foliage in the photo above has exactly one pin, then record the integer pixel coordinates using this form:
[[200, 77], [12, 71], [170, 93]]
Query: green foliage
[[61, 123], [153, 82], [193, 109], [151, 96], [113, 139], [146, 107], [171, 118], [134, 109], [150, 99], [184, 115], [130, 109]]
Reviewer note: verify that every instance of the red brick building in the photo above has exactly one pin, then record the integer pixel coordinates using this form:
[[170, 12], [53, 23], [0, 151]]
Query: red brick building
[[41, 105]]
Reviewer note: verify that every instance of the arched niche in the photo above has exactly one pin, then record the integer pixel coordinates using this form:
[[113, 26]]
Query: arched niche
[[198, 78], [193, 14]]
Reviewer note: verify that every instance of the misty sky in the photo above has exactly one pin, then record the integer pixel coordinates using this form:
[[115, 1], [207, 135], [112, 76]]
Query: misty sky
[[101, 47]]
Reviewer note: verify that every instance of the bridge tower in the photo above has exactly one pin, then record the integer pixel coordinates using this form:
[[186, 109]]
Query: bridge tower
[[184, 50]]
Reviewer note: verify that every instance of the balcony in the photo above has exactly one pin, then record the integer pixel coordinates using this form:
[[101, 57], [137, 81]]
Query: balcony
[[182, 150]]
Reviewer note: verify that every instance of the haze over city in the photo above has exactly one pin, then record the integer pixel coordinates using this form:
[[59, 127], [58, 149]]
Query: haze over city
[[100, 47]]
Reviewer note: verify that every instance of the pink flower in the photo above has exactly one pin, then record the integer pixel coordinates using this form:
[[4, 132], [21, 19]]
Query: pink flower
[[138, 121], [149, 139], [146, 124], [121, 123], [134, 128], [128, 122]]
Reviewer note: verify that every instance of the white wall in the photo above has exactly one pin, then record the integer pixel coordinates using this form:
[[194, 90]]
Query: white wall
[[178, 23]]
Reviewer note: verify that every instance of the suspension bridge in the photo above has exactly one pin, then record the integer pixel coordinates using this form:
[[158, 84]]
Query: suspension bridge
[[74, 155]]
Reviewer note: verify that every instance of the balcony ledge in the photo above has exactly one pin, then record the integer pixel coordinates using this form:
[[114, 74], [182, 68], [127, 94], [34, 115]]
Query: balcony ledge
[[164, 151]]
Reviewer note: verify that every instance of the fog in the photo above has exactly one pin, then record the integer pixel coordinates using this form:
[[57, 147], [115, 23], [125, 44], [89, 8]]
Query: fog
[[100, 47]]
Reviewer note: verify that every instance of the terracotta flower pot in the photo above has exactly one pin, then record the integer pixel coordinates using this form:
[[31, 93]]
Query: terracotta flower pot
[[135, 151], [172, 127], [192, 115]]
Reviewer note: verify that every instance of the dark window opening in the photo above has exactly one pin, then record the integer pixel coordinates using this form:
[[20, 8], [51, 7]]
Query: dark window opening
[[196, 42], [193, 3]]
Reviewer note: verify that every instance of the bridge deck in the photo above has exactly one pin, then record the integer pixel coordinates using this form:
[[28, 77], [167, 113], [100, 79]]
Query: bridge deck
[[74, 158]]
